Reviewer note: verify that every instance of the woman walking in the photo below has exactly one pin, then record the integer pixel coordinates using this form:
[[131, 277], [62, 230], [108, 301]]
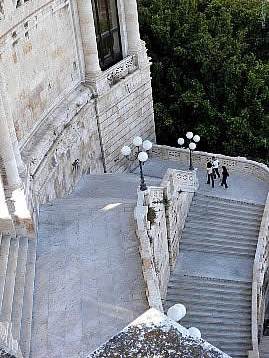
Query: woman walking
[[210, 175], [225, 175]]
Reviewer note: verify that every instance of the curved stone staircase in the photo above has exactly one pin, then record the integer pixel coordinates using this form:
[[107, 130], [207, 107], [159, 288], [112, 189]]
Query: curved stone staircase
[[213, 272], [17, 269]]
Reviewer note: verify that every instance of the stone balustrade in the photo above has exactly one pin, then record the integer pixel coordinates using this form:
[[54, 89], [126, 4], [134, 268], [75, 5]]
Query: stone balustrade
[[261, 261], [200, 159], [160, 216], [121, 69], [260, 268]]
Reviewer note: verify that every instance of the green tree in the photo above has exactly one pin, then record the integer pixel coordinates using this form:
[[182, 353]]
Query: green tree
[[210, 72]]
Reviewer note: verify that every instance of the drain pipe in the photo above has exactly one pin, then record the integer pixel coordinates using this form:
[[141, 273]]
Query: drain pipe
[[95, 97]]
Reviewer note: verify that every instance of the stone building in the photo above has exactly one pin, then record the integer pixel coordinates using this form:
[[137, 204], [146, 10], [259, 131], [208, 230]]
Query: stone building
[[75, 87]]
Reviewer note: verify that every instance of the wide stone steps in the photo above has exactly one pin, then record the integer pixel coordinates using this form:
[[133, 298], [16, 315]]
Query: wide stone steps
[[209, 226], [19, 288], [17, 255], [219, 219], [219, 308], [27, 310], [228, 203], [219, 248], [4, 254], [217, 229]]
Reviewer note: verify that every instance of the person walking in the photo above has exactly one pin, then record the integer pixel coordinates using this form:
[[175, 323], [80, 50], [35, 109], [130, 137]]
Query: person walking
[[225, 175], [210, 176], [215, 165]]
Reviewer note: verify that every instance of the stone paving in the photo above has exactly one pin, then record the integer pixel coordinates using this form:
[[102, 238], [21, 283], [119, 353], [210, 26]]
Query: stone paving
[[241, 187], [89, 283]]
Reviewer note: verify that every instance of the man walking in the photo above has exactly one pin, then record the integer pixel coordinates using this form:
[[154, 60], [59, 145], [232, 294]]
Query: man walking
[[215, 166]]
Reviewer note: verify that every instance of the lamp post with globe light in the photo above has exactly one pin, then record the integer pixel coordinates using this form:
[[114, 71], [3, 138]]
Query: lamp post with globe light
[[141, 154], [192, 142]]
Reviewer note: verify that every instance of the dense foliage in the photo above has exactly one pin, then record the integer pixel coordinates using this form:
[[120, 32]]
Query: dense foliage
[[210, 72]]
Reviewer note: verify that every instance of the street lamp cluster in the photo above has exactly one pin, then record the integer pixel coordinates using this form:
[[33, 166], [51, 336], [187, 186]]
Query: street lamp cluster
[[142, 147], [192, 141]]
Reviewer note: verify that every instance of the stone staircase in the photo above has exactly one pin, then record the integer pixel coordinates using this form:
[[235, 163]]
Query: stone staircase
[[264, 347], [17, 269], [224, 233], [222, 226]]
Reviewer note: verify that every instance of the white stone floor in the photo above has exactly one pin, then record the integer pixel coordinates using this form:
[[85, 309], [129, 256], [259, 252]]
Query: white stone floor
[[241, 187], [89, 283]]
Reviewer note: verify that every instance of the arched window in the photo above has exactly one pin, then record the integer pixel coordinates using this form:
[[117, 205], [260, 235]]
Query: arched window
[[107, 32]]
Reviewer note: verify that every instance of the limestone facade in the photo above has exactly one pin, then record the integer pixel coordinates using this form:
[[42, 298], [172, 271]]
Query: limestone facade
[[61, 115]]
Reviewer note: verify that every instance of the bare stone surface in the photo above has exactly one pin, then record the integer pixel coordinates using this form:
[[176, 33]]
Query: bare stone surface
[[241, 187], [89, 282]]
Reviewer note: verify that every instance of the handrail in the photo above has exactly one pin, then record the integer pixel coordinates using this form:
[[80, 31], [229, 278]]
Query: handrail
[[260, 267]]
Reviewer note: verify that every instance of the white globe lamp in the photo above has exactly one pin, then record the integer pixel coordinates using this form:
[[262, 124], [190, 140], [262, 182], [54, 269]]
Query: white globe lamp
[[137, 141], [189, 135], [147, 145], [196, 138], [143, 157], [126, 150], [192, 146], [180, 141], [195, 332], [177, 312]]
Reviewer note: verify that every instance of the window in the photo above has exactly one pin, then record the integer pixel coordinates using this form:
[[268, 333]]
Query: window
[[107, 32]]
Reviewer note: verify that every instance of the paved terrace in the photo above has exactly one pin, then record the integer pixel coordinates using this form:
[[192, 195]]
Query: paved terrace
[[89, 282]]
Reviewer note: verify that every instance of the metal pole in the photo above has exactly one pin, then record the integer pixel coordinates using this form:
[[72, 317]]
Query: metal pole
[[191, 166], [143, 185]]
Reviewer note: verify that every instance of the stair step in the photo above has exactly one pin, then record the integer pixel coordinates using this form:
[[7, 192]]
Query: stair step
[[208, 281], [184, 294], [204, 319], [218, 249], [10, 280], [223, 228], [208, 306], [4, 252], [216, 239], [225, 208], [27, 310], [217, 220], [19, 288], [228, 212], [189, 233], [218, 199], [210, 290]]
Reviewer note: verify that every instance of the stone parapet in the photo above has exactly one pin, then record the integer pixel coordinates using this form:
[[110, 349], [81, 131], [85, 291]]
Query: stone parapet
[[260, 271], [160, 216], [241, 164]]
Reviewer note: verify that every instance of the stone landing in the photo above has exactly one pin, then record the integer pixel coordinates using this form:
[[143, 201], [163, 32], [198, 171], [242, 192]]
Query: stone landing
[[89, 283]]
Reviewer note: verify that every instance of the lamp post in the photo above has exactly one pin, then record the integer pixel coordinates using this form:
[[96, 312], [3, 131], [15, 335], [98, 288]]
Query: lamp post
[[191, 144], [141, 154]]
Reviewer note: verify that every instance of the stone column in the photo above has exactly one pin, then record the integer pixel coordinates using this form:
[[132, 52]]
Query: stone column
[[87, 28], [7, 154], [132, 26]]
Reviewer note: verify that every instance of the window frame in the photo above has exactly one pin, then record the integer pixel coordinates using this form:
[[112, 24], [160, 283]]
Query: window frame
[[107, 61]]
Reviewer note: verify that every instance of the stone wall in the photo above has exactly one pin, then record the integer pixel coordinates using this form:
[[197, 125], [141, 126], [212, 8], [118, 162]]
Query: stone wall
[[39, 61], [179, 187], [125, 112], [160, 215]]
